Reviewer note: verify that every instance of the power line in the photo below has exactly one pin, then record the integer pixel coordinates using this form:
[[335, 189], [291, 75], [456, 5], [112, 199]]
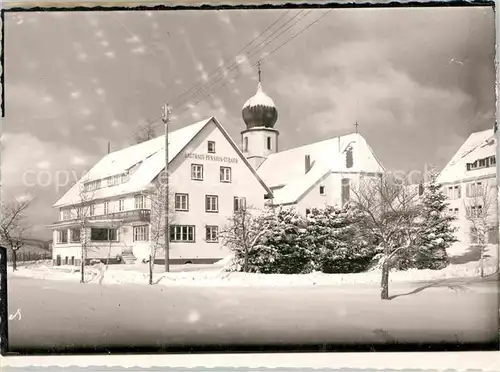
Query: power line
[[238, 52], [270, 53], [253, 51]]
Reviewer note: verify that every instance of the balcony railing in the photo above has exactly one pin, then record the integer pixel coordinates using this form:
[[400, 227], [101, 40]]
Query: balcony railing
[[125, 216]]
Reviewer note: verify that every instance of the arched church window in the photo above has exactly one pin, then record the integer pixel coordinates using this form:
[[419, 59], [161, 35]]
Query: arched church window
[[348, 158], [245, 144], [269, 143]]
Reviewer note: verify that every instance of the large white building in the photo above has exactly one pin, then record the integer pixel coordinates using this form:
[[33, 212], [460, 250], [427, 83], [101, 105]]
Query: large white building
[[469, 181], [210, 177]]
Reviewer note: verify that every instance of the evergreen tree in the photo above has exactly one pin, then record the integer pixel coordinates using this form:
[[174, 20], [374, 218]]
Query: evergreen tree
[[440, 234], [285, 248], [340, 247]]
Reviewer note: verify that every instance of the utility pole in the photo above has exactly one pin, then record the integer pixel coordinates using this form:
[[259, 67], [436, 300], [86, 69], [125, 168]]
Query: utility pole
[[166, 119]]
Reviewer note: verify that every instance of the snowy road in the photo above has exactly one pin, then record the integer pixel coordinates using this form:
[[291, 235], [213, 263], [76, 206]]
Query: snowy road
[[55, 314]]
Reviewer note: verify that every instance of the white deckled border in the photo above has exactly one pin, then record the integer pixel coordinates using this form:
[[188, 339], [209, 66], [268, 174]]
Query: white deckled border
[[457, 361]]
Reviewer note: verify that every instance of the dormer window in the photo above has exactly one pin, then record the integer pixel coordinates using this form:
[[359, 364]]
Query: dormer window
[[211, 147], [482, 163]]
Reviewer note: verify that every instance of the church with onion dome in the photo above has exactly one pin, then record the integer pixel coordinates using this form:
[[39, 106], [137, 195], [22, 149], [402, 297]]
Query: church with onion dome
[[309, 176], [211, 177]]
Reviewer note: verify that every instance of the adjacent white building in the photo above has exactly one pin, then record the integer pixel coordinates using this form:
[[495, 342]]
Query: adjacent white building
[[314, 175], [469, 181]]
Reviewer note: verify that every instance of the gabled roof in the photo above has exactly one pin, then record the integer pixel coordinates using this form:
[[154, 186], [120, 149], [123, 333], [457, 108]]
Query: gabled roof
[[287, 168], [479, 145], [144, 161]]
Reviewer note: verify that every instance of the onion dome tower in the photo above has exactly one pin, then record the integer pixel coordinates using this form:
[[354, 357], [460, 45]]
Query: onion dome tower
[[259, 139]]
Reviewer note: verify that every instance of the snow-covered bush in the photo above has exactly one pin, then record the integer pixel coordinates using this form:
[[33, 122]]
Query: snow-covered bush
[[339, 244]]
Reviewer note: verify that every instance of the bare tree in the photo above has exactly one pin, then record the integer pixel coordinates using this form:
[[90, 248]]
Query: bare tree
[[391, 211], [156, 200], [13, 229], [145, 132], [480, 212], [243, 231], [82, 211]]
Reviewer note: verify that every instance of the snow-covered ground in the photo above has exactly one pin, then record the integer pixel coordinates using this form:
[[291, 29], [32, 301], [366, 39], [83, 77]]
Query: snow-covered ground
[[214, 275]]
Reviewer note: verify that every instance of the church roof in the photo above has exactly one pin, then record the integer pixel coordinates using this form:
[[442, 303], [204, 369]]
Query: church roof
[[479, 145], [285, 170], [144, 162]]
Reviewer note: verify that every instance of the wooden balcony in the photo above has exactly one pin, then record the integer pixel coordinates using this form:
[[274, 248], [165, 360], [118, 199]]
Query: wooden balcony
[[134, 215], [125, 216]]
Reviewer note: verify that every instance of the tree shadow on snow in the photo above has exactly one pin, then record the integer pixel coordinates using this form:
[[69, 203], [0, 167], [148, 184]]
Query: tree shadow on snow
[[455, 284], [417, 290]]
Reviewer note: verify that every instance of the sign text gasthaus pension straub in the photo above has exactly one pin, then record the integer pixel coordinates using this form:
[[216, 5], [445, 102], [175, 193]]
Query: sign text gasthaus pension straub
[[222, 159]]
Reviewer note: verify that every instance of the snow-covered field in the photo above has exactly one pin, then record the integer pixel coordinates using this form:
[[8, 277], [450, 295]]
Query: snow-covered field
[[214, 275]]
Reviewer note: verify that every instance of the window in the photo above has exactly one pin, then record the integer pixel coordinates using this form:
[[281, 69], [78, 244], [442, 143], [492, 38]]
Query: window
[[141, 233], [121, 205], [73, 260], [93, 185], [63, 236], [240, 203], [493, 161], [124, 178], [476, 211], [346, 190], [66, 214], [181, 202], [454, 192], [474, 189], [212, 234], [225, 174], [455, 211], [197, 172], [482, 163], [92, 210], [179, 233], [348, 158], [106, 207], [66, 260], [245, 144], [103, 234], [211, 147], [322, 190], [269, 143], [75, 235], [140, 202], [211, 203], [79, 212]]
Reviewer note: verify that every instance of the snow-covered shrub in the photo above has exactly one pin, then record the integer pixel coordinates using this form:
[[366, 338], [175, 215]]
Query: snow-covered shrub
[[340, 247]]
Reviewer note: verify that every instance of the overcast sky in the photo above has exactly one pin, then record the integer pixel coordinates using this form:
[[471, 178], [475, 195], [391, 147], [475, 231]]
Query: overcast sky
[[418, 81]]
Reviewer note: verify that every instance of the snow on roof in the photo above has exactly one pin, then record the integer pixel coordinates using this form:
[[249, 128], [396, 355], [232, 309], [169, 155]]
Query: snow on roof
[[149, 157], [479, 145], [285, 167], [260, 98], [292, 192]]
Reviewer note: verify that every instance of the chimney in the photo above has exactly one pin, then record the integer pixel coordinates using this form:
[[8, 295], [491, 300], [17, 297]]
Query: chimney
[[307, 163]]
